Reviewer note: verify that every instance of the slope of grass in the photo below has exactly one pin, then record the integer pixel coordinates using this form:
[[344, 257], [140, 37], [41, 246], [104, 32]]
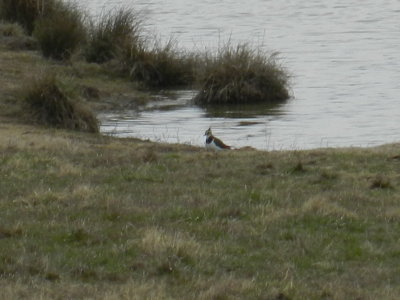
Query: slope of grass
[[91, 216], [92, 82]]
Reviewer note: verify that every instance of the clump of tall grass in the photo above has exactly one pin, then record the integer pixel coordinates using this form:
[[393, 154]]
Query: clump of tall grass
[[13, 36], [25, 12], [238, 75], [49, 105], [111, 34], [11, 30], [60, 33], [118, 36], [160, 66]]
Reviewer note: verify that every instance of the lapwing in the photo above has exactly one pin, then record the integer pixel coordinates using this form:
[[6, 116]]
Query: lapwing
[[214, 143]]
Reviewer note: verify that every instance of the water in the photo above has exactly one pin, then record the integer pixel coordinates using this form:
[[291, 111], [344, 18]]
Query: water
[[344, 57]]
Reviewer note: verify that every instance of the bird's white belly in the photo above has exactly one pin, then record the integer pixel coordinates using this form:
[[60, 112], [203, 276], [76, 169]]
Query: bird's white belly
[[212, 146]]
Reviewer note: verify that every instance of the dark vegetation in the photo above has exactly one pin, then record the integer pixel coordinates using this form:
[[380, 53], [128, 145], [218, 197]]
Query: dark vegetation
[[116, 41], [49, 104], [238, 75], [60, 33], [112, 35], [11, 29], [160, 66], [26, 12], [13, 36]]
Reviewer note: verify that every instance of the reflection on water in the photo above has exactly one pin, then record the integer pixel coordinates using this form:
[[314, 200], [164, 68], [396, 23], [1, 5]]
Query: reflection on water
[[244, 111], [344, 56], [179, 121]]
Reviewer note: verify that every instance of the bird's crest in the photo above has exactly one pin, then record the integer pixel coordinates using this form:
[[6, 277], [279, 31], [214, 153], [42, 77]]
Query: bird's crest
[[208, 132]]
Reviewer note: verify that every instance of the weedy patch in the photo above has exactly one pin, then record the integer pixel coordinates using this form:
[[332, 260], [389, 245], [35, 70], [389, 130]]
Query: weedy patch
[[169, 253], [157, 242], [150, 156], [227, 288], [380, 182], [9, 232], [321, 206], [265, 169], [298, 168]]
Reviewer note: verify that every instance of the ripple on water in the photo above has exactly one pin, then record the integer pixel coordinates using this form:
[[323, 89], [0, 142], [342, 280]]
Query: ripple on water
[[344, 57]]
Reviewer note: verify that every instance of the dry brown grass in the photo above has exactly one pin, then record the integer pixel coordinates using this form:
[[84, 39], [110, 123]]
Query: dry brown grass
[[321, 206]]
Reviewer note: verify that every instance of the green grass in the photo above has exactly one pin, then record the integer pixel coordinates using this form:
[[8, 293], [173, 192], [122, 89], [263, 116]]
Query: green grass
[[95, 217]]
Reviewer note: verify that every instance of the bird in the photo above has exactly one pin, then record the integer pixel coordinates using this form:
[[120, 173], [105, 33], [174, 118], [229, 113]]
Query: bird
[[214, 143]]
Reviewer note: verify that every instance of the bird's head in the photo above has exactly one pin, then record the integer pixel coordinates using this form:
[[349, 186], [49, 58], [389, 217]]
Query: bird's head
[[208, 132]]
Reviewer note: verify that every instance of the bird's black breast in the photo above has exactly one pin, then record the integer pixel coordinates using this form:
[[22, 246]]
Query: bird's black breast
[[209, 140]]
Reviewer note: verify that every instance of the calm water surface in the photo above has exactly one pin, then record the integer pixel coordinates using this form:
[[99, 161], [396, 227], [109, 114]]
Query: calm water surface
[[344, 57]]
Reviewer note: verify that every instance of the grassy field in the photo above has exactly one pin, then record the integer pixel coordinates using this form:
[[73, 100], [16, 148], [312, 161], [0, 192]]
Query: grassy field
[[84, 216]]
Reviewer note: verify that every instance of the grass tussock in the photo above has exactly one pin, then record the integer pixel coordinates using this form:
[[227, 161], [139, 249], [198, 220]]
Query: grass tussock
[[318, 205], [117, 36], [50, 105], [160, 66], [240, 75], [112, 34], [11, 30], [25, 12], [381, 182], [13, 36], [62, 32]]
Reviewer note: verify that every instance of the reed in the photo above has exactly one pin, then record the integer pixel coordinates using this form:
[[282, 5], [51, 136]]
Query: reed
[[112, 33], [238, 75], [48, 104], [13, 37], [62, 32], [25, 12], [11, 30], [160, 66]]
